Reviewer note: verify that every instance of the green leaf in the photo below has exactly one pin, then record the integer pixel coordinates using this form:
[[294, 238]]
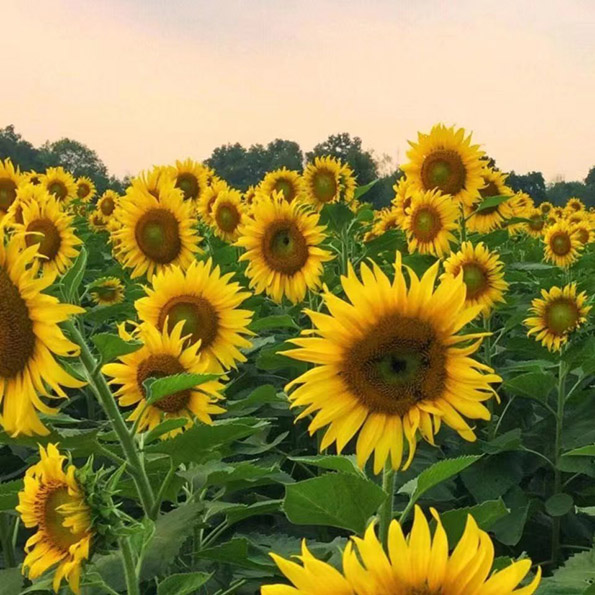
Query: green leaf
[[365, 214], [335, 499], [535, 385], [159, 388], [361, 190], [493, 477], [182, 584], [11, 581], [166, 426], [9, 492], [485, 514], [490, 202], [583, 451], [559, 504], [336, 216], [235, 551], [332, 462], [574, 578], [73, 278], [112, 346], [262, 395], [273, 322]]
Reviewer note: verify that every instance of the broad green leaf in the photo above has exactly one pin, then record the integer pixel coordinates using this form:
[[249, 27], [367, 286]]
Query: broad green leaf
[[535, 385], [11, 581], [493, 476], [159, 388], [332, 462], [336, 216], [9, 494], [273, 322], [365, 214], [262, 395], [236, 551], [73, 278], [490, 202], [166, 426], [559, 504], [361, 190], [509, 530], [583, 451], [182, 584], [485, 514], [112, 346], [574, 578]]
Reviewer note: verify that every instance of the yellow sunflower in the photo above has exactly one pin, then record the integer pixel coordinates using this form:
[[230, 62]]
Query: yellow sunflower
[[60, 183], [584, 232], [288, 182], [10, 178], [445, 160], [54, 503], [545, 207], [32, 177], [404, 191], [164, 354], [418, 564], [536, 225], [482, 274], [249, 195], [107, 291], [521, 204], [562, 245], [575, 205], [559, 313], [430, 221], [490, 218], [191, 178], [322, 181], [204, 206], [85, 189], [155, 233], [282, 243], [386, 219], [108, 202], [97, 222], [228, 214], [26, 193], [575, 217], [29, 340], [390, 363], [156, 181], [348, 185]]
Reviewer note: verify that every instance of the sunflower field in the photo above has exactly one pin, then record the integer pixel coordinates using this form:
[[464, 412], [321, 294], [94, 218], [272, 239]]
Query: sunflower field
[[283, 391]]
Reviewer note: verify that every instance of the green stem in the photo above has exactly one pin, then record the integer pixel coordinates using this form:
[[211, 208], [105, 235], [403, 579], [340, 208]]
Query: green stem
[[104, 395], [463, 227], [487, 356], [6, 540], [386, 509], [129, 568]]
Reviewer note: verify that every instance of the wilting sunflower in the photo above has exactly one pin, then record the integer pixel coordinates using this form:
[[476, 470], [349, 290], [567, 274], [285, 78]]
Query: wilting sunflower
[[108, 202], [97, 222], [445, 160], [562, 245], [204, 206], [9, 183], [208, 303], [404, 191], [536, 224], [282, 243], [155, 233], [164, 354], [288, 182], [29, 340], [559, 313], [574, 205], [107, 291], [418, 564], [430, 221], [60, 183], [228, 213], [490, 218], [54, 503], [482, 274], [85, 189], [584, 232], [322, 181], [545, 207], [390, 363], [191, 178]]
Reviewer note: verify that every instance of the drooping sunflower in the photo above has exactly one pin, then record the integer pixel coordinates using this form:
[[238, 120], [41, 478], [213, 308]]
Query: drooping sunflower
[[60, 183], [404, 191], [209, 305], [521, 204], [419, 564], [386, 219], [322, 181], [155, 233], [545, 207], [282, 243], [30, 338], [390, 362], [430, 221], [562, 245], [490, 218], [192, 178], [228, 214], [204, 206], [575, 205], [584, 232], [286, 181], [85, 189], [53, 501], [445, 160], [10, 179], [559, 313], [97, 222], [107, 291], [482, 274], [108, 202], [536, 225], [164, 354]]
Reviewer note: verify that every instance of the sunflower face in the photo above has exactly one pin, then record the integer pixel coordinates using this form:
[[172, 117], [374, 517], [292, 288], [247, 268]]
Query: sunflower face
[[209, 198], [575, 205], [97, 222], [562, 246], [536, 224], [60, 183], [227, 213], [584, 232], [404, 191], [9, 183], [106, 205], [322, 181], [545, 207], [107, 292], [191, 178], [490, 218], [287, 182], [85, 189]]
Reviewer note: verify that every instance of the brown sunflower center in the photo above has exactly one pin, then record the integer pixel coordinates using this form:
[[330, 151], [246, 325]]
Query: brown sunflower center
[[444, 169], [475, 278], [107, 205], [284, 247], [426, 223], [227, 217], [188, 184], [582, 234], [398, 363], [83, 190], [284, 185], [423, 590], [53, 518], [58, 189], [159, 366], [545, 208], [158, 235], [325, 186], [8, 192], [575, 206], [106, 293], [17, 339], [561, 316], [536, 222], [560, 244], [45, 234]]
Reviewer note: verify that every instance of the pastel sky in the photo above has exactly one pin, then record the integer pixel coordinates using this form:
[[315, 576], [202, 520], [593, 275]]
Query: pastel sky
[[149, 81]]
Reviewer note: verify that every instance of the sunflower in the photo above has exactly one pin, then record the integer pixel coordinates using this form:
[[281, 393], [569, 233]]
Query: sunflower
[[107, 291], [164, 354], [404, 191], [26, 193], [85, 189], [54, 502], [250, 194], [108, 202], [482, 275], [156, 181], [348, 185], [386, 219], [228, 213], [575, 205], [562, 245], [10, 179], [288, 182], [559, 313], [48, 226], [430, 221], [536, 224], [97, 222], [558, 213], [490, 218], [574, 217], [60, 183], [545, 207], [584, 232], [32, 177], [204, 206], [155, 233], [445, 160], [322, 181], [390, 362], [282, 243], [415, 565], [191, 178]]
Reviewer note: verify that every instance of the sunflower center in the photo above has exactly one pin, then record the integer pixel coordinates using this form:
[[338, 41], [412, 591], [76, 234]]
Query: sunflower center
[[444, 169], [285, 186], [8, 192], [159, 366], [284, 248], [17, 339], [83, 190], [583, 235], [53, 519], [475, 278], [398, 363], [201, 320], [227, 218], [158, 235], [107, 205], [188, 184], [560, 244], [423, 590], [106, 293], [58, 189], [536, 223], [561, 316], [325, 186], [545, 208], [426, 223], [45, 234]]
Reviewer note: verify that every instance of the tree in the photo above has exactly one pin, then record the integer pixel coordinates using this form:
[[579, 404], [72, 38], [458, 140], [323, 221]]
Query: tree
[[20, 151], [590, 179], [532, 183], [284, 153]]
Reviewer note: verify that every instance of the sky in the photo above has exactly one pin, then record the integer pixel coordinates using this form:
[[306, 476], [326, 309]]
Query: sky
[[146, 82]]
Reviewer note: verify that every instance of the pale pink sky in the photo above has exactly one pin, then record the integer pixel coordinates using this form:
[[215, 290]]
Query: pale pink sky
[[147, 81]]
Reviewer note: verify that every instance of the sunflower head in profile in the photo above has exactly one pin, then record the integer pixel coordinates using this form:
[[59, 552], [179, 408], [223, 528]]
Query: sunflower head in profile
[[60, 183], [156, 181], [164, 354], [557, 315], [545, 207], [26, 193], [228, 214], [390, 362], [419, 564], [490, 218], [584, 231], [192, 178], [250, 194], [285, 181], [85, 189], [10, 178], [446, 161], [107, 291], [107, 203], [404, 191], [348, 186], [282, 246], [562, 245], [385, 220], [430, 222], [536, 225], [97, 222], [204, 207], [575, 205], [155, 234], [53, 502], [482, 274]]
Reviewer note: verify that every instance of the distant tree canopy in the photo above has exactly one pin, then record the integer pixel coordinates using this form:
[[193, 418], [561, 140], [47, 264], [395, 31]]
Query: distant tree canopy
[[532, 183], [20, 151]]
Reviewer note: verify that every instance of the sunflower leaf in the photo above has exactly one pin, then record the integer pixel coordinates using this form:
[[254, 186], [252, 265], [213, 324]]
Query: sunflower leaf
[[490, 202], [73, 278], [159, 388], [182, 584], [111, 346]]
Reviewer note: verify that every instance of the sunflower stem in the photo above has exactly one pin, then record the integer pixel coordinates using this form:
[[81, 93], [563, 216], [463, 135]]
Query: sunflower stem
[[487, 345], [386, 509], [6, 540], [463, 227], [129, 567]]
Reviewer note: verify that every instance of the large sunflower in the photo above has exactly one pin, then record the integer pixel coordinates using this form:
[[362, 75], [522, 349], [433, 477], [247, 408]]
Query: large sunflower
[[482, 274], [10, 179], [85, 189], [228, 214], [490, 218], [286, 181], [108, 202], [204, 206], [430, 221], [54, 502], [419, 564], [390, 362], [164, 354], [562, 245], [559, 313], [155, 233], [322, 181], [26, 193], [192, 178], [107, 291], [60, 183], [445, 160], [29, 339], [282, 243]]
